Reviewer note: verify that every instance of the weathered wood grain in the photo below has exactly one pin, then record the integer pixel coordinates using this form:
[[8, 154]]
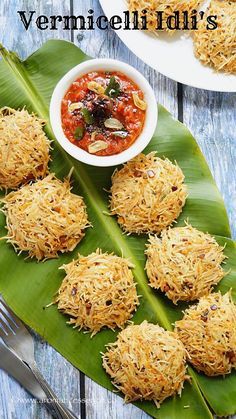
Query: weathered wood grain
[[210, 116]]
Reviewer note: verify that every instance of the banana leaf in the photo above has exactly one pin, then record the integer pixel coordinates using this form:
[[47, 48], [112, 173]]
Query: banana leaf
[[29, 287]]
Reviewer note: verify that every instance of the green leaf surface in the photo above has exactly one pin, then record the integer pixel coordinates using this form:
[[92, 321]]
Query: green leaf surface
[[29, 286]]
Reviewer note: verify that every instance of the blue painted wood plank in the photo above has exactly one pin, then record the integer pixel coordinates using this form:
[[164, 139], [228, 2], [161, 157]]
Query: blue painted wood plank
[[211, 117]]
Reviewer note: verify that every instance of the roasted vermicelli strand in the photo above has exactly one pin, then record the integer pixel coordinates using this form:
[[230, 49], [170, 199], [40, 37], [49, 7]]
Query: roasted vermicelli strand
[[146, 363], [185, 263], [208, 332], [45, 218], [147, 194], [167, 8], [217, 48], [98, 291], [24, 148]]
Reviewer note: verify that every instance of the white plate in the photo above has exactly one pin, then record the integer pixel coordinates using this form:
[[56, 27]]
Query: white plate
[[172, 56]]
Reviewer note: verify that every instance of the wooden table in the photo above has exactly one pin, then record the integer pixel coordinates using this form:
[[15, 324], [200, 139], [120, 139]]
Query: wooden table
[[210, 116]]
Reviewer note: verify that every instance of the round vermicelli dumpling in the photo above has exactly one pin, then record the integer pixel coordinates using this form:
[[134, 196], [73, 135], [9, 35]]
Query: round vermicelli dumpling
[[146, 363], [208, 332], [184, 263], [24, 148], [98, 291], [217, 47], [147, 194], [45, 218]]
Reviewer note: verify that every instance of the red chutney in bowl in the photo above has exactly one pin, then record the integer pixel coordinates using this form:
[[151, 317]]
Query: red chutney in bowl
[[103, 112]]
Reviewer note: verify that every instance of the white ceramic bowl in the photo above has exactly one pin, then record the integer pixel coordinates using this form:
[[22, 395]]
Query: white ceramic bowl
[[107, 65]]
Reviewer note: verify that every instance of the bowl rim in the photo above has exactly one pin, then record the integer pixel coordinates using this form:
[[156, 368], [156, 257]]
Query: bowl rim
[[106, 64]]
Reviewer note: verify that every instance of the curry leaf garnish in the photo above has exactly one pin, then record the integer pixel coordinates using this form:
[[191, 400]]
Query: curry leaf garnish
[[79, 133], [113, 88], [88, 117]]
